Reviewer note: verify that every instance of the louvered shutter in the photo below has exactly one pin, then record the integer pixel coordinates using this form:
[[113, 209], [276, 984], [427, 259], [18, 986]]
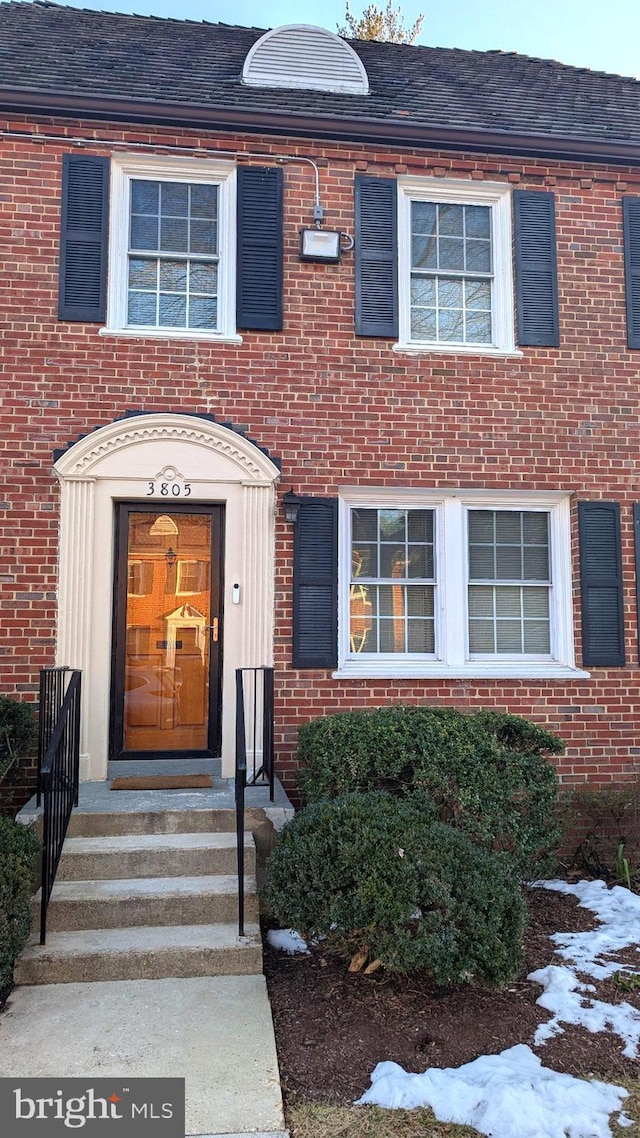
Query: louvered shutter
[[536, 268], [259, 266], [83, 238], [601, 584], [631, 221], [315, 584], [376, 252]]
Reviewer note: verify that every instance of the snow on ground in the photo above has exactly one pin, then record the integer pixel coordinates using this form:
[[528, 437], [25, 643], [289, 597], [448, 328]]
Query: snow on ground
[[287, 940], [512, 1095], [590, 953], [507, 1096]]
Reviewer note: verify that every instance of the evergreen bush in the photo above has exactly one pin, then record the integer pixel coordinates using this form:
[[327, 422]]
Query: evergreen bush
[[485, 773], [371, 873], [18, 730], [19, 853]]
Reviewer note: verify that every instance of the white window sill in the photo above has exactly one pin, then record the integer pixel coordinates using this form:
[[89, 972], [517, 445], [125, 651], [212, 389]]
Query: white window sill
[[416, 349], [473, 671], [173, 334]]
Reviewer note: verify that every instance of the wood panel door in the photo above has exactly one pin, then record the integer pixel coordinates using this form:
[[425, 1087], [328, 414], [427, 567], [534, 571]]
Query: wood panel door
[[168, 631]]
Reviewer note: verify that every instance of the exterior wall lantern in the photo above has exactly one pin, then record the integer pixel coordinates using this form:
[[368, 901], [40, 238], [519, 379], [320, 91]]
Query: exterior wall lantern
[[170, 557], [291, 506]]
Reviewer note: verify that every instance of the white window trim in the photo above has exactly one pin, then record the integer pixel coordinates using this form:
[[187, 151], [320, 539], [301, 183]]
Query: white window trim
[[210, 171], [452, 658], [497, 195]]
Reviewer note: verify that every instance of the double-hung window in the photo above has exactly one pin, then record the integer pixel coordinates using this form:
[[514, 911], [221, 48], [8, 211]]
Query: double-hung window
[[458, 583], [455, 265], [172, 247]]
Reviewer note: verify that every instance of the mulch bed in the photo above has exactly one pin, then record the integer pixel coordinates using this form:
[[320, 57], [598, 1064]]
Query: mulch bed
[[332, 1026]]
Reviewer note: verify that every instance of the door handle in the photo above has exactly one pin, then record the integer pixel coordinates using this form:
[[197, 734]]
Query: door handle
[[214, 630]]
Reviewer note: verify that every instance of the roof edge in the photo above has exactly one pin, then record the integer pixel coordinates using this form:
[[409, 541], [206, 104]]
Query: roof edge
[[395, 133]]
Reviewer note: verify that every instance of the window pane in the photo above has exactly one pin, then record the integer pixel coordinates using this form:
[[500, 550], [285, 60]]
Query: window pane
[[144, 232], [143, 273], [204, 201], [535, 528], [451, 253], [481, 636], [173, 276], [203, 312], [141, 308], [537, 638], [478, 221], [423, 217], [364, 558], [481, 601], [174, 199], [203, 278], [204, 237], [420, 600], [145, 196], [478, 256], [450, 220], [450, 325], [450, 293], [174, 234], [421, 636], [508, 601], [423, 291], [423, 324], [535, 603], [364, 525], [393, 561], [478, 294], [508, 563], [420, 525], [420, 561], [172, 311], [478, 328], [536, 564], [509, 636], [393, 525], [392, 635], [424, 252], [508, 526], [481, 525]]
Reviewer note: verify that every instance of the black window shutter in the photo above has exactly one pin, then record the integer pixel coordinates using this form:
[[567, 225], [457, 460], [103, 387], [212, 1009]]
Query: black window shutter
[[315, 584], [83, 238], [636, 533], [259, 266], [536, 268], [601, 584], [631, 224], [376, 254]]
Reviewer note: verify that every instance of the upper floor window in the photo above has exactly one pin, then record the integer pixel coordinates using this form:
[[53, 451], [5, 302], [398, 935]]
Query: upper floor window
[[172, 247], [455, 265]]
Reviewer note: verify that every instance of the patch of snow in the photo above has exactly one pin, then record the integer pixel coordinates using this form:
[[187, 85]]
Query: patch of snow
[[507, 1096], [589, 953], [287, 940]]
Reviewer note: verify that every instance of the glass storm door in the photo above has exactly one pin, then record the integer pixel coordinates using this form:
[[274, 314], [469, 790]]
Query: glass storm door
[[166, 687]]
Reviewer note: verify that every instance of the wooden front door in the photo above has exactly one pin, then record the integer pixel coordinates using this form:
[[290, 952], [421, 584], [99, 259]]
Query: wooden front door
[[168, 632]]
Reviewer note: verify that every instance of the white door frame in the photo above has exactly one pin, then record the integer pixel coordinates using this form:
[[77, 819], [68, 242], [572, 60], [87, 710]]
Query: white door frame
[[153, 459]]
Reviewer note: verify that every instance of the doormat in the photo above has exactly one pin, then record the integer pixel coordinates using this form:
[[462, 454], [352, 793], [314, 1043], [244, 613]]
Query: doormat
[[163, 782]]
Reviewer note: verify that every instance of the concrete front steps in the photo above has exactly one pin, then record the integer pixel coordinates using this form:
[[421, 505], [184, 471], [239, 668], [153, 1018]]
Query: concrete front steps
[[141, 896]]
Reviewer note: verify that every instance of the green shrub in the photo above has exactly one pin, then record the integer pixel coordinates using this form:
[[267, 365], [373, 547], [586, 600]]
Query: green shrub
[[486, 773], [19, 852], [369, 872], [18, 730]]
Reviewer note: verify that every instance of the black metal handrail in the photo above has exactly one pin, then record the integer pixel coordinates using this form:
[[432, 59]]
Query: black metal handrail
[[58, 769], [254, 698]]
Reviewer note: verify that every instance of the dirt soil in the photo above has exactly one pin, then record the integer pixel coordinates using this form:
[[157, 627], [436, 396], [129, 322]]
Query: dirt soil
[[332, 1026]]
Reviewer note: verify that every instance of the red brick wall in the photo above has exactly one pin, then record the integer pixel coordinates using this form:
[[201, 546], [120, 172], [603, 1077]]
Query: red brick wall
[[336, 409]]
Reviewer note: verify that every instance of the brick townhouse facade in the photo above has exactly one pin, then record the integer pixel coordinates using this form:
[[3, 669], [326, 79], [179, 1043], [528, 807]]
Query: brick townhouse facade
[[443, 380]]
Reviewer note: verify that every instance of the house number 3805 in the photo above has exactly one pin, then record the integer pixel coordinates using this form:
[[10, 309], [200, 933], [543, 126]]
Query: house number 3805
[[169, 489]]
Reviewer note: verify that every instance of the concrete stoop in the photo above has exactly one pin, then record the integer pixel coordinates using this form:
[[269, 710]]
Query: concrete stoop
[[142, 896]]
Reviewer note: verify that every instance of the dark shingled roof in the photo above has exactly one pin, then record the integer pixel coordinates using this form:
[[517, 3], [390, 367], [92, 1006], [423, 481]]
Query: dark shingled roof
[[48, 50]]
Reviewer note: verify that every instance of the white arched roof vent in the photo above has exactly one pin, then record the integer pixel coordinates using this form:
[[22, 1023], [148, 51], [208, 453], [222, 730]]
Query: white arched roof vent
[[306, 57]]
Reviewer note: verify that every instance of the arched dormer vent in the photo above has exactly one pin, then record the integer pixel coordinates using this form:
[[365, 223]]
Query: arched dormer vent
[[305, 57]]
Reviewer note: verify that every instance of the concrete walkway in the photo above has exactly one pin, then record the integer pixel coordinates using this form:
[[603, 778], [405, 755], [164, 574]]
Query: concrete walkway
[[217, 1032]]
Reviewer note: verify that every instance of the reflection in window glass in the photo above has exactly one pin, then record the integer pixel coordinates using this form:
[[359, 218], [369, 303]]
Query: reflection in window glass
[[451, 273], [392, 588]]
